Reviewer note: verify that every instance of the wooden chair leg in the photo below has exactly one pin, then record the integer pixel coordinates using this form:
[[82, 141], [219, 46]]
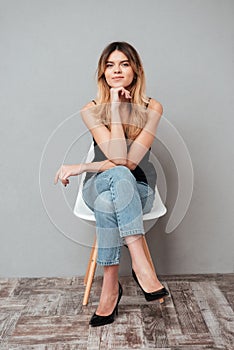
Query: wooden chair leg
[[90, 273], [89, 263], [148, 256]]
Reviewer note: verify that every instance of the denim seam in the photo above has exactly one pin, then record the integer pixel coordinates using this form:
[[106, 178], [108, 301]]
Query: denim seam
[[113, 196]]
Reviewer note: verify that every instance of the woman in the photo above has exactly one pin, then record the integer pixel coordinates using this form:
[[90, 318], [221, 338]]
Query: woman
[[120, 182]]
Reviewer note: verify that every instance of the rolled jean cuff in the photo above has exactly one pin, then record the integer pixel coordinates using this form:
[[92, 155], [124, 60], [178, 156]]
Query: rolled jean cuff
[[132, 232], [107, 263]]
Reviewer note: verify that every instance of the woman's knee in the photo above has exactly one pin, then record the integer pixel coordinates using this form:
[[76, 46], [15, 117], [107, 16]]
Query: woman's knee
[[121, 172], [104, 202]]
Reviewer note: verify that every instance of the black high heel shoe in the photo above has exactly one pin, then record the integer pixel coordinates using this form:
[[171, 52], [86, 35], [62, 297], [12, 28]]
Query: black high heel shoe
[[159, 294], [97, 320]]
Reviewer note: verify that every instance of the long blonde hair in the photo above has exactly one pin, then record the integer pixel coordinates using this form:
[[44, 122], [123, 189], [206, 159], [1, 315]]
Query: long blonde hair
[[138, 115]]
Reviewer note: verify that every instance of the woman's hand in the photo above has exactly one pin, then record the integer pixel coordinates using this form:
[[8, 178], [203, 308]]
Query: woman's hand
[[68, 170], [117, 93]]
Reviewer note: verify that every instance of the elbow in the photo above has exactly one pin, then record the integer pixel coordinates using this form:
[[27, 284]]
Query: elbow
[[119, 161], [130, 165]]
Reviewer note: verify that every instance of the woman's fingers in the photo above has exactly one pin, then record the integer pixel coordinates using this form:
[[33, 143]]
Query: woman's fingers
[[120, 91], [125, 91], [64, 179], [65, 182], [127, 94], [56, 177], [66, 171], [62, 176]]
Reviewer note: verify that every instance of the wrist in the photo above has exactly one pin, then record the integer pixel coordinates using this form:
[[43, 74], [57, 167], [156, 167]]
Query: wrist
[[115, 105], [83, 167], [115, 116]]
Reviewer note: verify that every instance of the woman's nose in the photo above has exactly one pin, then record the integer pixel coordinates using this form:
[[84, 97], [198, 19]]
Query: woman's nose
[[117, 69]]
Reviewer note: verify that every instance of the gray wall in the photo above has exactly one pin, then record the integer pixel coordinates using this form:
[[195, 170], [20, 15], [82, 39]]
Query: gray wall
[[49, 51]]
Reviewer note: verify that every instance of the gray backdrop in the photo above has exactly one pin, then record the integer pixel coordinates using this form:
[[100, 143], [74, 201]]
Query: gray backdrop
[[49, 51]]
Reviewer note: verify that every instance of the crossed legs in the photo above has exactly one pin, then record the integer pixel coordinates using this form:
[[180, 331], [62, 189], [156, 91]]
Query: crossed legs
[[117, 200]]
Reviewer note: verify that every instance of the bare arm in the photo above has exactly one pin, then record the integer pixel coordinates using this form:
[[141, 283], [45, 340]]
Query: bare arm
[[144, 140], [116, 146], [112, 142], [65, 171]]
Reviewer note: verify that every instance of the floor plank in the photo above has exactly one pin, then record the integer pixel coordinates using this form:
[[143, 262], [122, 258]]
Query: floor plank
[[188, 311]]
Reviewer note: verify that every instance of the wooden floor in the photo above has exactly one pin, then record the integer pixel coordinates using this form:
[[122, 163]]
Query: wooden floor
[[47, 313]]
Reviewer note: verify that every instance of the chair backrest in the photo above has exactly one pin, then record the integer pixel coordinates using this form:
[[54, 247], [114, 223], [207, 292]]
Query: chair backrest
[[82, 211]]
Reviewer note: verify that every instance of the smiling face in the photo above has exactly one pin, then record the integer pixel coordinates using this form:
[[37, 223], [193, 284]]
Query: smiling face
[[118, 71]]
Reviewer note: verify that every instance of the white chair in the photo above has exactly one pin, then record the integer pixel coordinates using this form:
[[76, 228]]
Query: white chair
[[83, 212]]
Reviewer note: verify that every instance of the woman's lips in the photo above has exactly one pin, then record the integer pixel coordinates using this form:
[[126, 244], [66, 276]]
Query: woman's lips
[[117, 78]]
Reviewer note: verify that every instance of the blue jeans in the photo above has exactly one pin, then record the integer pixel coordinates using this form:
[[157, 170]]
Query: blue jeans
[[118, 202]]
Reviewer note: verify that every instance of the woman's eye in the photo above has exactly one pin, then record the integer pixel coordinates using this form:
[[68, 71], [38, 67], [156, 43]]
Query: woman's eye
[[109, 65], [125, 64]]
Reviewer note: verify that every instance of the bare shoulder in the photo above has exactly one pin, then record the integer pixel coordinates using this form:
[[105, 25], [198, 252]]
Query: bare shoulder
[[87, 106], [156, 106], [87, 113]]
